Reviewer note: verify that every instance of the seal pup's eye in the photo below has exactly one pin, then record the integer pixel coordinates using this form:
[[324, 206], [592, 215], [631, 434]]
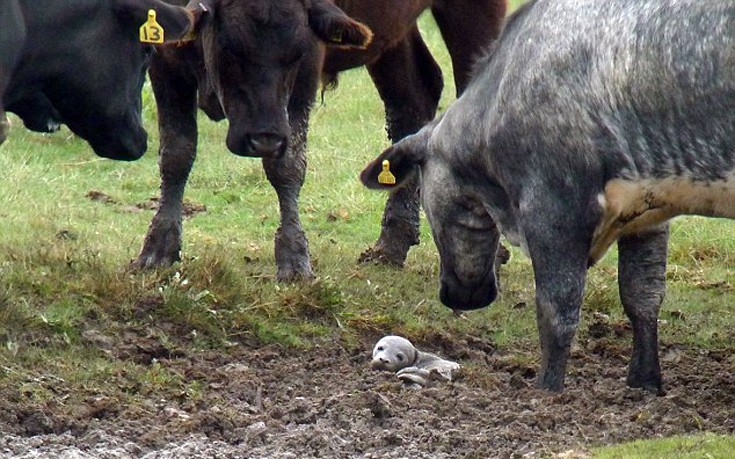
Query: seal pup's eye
[[399, 357], [380, 348]]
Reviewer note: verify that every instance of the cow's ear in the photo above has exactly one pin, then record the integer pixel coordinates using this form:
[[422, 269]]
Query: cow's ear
[[200, 10], [398, 163], [175, 21], [335, 28]]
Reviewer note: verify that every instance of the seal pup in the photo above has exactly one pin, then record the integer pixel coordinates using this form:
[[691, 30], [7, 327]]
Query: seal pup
[[397, 354]]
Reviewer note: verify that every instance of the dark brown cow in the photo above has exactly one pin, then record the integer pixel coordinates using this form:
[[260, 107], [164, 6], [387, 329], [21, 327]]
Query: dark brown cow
[[258, 63], [409, 82]]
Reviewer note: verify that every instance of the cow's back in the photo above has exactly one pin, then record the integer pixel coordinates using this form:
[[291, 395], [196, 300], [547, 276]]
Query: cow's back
[[390, 22], [624, 107], [638, 86]]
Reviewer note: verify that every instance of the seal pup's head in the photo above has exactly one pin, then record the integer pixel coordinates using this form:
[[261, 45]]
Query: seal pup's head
[[393, 353]]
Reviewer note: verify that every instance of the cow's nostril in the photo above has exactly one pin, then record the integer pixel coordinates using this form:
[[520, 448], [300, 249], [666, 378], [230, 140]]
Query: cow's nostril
[[265, 142]]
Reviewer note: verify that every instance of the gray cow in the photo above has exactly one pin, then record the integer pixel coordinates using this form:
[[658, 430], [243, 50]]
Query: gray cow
[[589, 122]]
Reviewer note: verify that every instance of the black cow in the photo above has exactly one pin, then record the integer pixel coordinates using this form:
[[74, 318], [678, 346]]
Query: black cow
[[244, 64], [258, 63], [590, 122], [81, 63]]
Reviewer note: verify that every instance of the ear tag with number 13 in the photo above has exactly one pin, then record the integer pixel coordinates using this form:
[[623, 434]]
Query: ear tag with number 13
[[151, 31]]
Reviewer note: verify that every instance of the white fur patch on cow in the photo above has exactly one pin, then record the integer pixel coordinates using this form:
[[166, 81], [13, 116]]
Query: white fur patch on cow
[[631, 206]]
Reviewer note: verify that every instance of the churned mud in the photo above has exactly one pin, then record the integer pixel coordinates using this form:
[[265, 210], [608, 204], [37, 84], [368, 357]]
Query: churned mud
[[269, 402], [189, 209]]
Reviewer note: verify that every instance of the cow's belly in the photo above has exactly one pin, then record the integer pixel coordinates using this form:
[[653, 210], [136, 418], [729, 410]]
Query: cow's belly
[[633, 206]]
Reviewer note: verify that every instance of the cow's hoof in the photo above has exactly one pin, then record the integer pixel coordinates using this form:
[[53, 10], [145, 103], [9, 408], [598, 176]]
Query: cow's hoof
[[502, 256], [161, 246], [382, 255], [550, 387], [551, 380], [651, 385], [144, 262], [156, 256], [294, 273]]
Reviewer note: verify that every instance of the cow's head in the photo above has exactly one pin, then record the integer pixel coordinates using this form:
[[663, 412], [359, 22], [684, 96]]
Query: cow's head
[[94, 68], [464, 232], [253, 51]]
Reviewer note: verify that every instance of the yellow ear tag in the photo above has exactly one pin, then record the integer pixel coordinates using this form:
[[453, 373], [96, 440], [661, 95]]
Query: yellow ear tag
[[151, 31], [386, 177]]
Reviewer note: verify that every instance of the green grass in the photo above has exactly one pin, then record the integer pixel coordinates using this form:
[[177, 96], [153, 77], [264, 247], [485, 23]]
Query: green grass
[[63, 258], [689, 447]]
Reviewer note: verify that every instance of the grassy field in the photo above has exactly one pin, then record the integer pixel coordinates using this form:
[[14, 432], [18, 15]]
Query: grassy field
[[63, 257]]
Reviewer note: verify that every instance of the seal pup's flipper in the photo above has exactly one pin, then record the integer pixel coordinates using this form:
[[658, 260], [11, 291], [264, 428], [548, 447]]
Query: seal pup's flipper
[[414, 375]]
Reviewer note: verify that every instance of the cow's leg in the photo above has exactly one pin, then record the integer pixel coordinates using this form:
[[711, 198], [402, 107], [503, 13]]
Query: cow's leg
[[175, 94], [286, 174], [559, 254], [410, 83], [11, 45], [468, 27], [642, 283]]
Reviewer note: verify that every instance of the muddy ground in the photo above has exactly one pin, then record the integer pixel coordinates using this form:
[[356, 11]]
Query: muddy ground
[[269, 402]]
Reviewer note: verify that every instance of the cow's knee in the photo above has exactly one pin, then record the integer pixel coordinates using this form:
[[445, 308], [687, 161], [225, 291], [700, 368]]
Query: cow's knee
[[288, 172]]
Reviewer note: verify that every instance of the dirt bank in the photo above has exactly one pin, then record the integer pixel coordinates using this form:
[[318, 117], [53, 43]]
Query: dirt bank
[[267, 402]]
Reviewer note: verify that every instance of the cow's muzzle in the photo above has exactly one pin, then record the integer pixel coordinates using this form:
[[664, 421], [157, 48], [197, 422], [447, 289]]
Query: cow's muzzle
[[266, 144], [463, 297], [121, 148], [261, 145]]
